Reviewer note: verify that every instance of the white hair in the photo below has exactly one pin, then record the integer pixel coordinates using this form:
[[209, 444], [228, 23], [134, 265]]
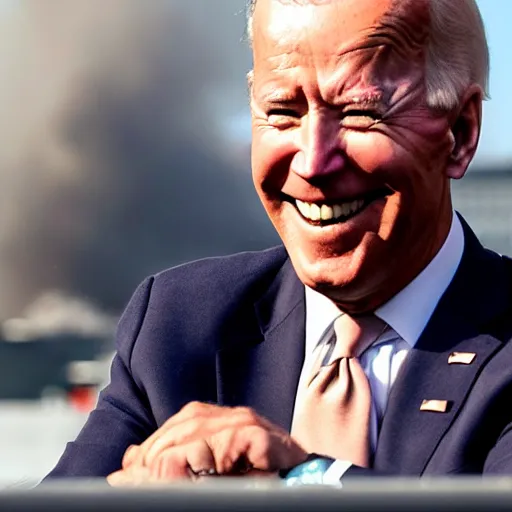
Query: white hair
[[457, 53]]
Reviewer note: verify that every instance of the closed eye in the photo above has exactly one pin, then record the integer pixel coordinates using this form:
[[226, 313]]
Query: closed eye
[[283, 118], [285, 112], [360, 119], [362, 113]]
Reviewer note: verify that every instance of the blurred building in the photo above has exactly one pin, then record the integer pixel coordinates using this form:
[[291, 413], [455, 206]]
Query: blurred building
[[484, 197]]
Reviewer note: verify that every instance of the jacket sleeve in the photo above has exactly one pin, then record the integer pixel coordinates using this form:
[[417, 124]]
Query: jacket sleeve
[[122, 415], [499, 458]]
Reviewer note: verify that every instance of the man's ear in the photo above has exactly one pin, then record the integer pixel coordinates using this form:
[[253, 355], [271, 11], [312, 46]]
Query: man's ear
[[466, 132]]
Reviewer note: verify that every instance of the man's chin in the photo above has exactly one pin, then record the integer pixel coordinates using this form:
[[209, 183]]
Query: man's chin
[[346, 279], [327, 275]]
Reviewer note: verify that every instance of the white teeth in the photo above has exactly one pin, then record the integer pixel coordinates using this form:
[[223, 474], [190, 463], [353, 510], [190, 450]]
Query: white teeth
[[304, 208], [317, 212], [326, 212], [314, 212]]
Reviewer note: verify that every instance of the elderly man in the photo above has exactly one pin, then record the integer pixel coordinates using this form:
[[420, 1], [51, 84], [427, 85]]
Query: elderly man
[[377, 340]]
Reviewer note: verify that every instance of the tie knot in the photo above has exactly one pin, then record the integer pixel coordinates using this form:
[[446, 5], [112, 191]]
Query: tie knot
[[355, 334]]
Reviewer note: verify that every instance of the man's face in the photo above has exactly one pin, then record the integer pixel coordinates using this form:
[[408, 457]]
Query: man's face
[[347, 158]]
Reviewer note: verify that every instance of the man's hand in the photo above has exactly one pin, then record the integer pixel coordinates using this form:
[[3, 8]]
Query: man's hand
[[205, 438]]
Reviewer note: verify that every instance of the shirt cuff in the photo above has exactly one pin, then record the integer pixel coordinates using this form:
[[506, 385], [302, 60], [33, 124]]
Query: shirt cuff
[[335, 472]]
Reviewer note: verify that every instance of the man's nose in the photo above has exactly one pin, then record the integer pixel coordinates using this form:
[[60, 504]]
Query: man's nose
[[320, 151]]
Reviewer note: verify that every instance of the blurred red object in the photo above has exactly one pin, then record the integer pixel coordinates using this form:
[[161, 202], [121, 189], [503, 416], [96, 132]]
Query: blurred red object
[[83, 398]]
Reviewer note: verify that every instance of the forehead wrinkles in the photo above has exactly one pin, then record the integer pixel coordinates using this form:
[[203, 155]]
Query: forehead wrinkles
[[404, 28], [385, 54], [386, 46]]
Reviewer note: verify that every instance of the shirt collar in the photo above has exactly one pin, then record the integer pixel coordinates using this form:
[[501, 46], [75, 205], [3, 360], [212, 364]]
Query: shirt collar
[[409, 311]]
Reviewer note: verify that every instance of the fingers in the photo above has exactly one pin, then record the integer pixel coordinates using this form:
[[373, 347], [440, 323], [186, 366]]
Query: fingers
[[190, 461], [205, 439], [134, 477], [183, 462], [259, 448], [218, 455], [130, 455], [271, 451], [187, 426], [188, 430], [200, 459], [190, 411], [170, 465], [232, 451]]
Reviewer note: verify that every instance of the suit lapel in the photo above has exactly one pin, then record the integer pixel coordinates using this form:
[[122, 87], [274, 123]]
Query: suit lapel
[[262, 370], [477, 294], [410, 435]]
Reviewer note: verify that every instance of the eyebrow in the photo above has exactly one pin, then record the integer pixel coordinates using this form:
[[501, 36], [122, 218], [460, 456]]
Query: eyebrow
[[277, 95], [364, 98]]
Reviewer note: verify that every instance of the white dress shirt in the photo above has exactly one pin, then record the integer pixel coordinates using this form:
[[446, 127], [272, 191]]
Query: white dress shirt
[[407, 314]]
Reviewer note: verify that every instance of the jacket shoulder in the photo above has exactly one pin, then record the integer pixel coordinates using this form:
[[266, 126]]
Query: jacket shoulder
[[194, 309], [225, 274]]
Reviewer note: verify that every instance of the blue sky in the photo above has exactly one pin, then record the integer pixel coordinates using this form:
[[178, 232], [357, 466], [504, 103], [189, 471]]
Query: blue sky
[[496, 141]]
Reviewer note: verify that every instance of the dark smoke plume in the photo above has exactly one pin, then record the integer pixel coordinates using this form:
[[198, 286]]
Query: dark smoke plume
[[117, 159]]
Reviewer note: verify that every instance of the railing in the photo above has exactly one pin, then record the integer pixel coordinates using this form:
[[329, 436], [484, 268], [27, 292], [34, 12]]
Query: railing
[[468, 495]]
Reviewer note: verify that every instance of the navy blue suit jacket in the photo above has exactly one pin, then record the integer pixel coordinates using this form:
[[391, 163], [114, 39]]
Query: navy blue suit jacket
[[231, 331]]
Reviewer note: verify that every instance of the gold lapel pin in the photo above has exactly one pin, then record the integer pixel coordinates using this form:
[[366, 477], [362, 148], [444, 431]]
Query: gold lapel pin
[[435, 405], [461, 357]]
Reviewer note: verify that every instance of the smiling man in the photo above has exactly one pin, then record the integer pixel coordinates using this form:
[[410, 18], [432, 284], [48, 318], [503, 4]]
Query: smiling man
[[377, 339], [352, 153]]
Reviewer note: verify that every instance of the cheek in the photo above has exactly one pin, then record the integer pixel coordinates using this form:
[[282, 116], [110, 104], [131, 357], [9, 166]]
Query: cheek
[[398, 156], [271, 154], [426, 139], [370, 152], [414, 174]]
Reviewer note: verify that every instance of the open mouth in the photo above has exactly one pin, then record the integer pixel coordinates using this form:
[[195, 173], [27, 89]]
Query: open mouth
[[328, 214]]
